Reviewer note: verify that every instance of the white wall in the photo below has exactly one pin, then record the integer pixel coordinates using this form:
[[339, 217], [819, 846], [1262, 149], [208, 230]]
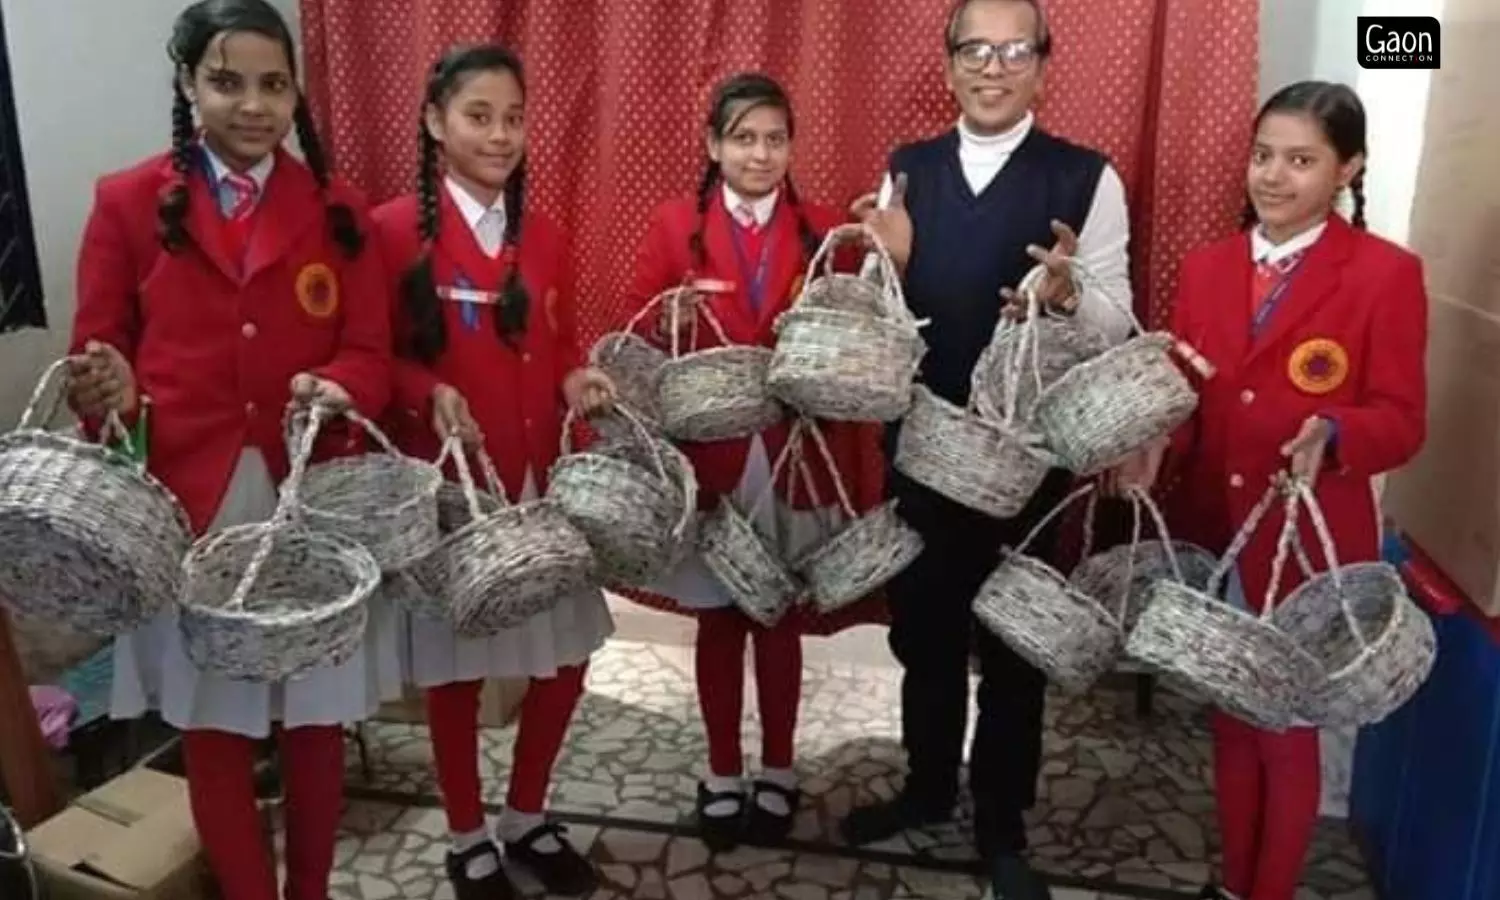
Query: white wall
[[92, 86]]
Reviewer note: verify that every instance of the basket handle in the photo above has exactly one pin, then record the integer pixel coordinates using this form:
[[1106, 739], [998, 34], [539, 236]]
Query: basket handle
[[1309, 501], [1141, 498], [373, 431], [466, 483], [288, 501], [1083, 277], [1286, 543], [821, 443], [1030, 340], [788, 452], [1052, 514], [708, 316], [54, 380], [884, 266]]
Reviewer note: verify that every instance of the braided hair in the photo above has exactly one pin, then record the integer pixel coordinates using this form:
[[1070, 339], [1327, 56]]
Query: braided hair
[[733, 99], [429, 334], [1341, 116], [192, 35]]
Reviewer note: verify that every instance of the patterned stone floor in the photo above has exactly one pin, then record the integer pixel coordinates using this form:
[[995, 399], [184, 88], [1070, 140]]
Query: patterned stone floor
[[1125, 809]]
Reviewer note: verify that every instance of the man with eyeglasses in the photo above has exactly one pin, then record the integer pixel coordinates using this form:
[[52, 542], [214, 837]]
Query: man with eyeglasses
[[970, 212]]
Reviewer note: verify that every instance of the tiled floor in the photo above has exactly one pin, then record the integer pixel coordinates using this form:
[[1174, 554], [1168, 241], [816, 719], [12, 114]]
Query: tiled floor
[[1125, 809]]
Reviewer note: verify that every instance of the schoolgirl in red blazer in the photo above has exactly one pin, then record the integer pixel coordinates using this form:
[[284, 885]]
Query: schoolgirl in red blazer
[[1318, 332], [220, 279], [747, 230], [487, 352]]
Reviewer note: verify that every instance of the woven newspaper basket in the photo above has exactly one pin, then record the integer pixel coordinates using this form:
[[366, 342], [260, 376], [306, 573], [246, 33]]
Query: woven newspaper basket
[[1045, 619], [269, 601], [1104, 408], [634, 515], [634, 364], [385, 501], [1121, 577], [836, 358], [91, 541], [1376, 646], [716, 394], [417, 590], [861, 555], [1232, 658], [505, 565], [993, 464], [740, 557], [1060, 344]]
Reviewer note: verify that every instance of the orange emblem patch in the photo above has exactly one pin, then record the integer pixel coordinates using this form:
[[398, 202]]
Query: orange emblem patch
[[1318, 366], [317, 290]]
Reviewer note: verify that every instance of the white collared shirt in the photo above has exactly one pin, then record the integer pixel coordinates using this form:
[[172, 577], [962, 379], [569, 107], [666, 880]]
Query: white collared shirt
[[1103, 241], [1263, 251], [260, 173], [487, 222], [761, 210]]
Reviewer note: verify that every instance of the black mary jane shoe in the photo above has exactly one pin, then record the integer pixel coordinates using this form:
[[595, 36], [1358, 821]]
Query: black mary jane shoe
[[765, 827], [494, 886], [1012, 878], [563, 872], [720, 833], [1212, 892]]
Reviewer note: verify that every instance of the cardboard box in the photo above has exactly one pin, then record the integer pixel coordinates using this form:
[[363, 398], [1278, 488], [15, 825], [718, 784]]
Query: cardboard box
[[132, 839], [499, 704], [1448, 499]]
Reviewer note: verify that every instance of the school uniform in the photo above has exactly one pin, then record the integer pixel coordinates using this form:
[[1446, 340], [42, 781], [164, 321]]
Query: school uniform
[[756, 246], [1330, 323], [515, 396], [215, 332], [976, 202]]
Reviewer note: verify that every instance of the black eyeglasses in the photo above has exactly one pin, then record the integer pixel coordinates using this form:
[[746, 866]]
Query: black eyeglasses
[[1014, 56]]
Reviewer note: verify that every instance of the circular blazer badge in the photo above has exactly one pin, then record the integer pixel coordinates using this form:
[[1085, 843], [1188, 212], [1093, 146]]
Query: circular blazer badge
[[317, 290], [1318, 366]]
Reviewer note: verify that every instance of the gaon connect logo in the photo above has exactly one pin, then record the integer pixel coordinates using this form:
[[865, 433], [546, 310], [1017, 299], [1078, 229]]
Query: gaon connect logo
[[1400, 42]]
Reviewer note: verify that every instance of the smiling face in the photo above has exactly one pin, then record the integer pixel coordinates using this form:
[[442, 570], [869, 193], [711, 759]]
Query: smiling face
[[245, 94], [755, 150], [1295, 174], [995, 89], [481, 127]]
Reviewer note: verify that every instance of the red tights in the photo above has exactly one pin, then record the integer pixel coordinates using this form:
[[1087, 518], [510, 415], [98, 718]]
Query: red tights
[[1268, 786], [453, 718], [221, 788], [720, 663]]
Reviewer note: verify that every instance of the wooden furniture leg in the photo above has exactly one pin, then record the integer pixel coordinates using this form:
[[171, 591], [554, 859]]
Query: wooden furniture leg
[[25, 760]]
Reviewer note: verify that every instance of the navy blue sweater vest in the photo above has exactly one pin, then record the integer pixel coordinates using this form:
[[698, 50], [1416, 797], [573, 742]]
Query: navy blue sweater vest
[[967, 247]]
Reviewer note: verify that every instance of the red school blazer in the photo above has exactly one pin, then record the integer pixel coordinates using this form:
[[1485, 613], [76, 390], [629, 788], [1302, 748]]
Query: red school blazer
[[215, 343], [514, 394], [1347, 342], [665, 260]]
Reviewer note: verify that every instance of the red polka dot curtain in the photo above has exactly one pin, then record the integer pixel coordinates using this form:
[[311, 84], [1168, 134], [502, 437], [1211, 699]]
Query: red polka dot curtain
[[619, 88]]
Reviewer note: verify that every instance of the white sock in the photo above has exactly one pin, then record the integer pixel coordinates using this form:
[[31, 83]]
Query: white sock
[[514, 826], [482, 865], [771, 802], [724, 784]]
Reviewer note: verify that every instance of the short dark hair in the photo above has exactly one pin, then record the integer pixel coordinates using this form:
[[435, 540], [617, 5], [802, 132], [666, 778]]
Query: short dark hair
[[1043, 33]]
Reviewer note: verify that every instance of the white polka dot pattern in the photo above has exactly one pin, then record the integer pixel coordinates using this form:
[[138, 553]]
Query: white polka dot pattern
[[619, 88]]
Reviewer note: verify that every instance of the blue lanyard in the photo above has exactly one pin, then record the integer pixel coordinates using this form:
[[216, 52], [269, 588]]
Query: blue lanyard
[[758, 282], [1273, 299]]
